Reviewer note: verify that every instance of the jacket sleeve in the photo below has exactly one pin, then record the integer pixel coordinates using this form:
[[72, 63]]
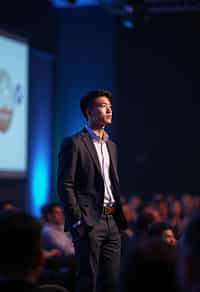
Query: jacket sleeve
[[67, 168]]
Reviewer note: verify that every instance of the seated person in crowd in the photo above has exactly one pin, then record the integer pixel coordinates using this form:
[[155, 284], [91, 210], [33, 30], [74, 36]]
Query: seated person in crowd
[[21, 258], [162, 231], [150, 266], [54, 238], [53, 235]]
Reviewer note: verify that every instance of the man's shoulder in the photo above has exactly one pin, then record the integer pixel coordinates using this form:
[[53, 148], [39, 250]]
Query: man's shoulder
[[112, 143], [73, 138]]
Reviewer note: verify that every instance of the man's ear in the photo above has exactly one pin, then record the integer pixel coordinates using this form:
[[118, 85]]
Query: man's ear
[[88, 112]]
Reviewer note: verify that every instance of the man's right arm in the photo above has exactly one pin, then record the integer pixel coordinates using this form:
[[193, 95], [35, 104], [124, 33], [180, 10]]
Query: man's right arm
[[67, 167]]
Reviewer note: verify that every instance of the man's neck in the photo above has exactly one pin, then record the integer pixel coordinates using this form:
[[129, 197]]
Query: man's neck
[[99, 131]]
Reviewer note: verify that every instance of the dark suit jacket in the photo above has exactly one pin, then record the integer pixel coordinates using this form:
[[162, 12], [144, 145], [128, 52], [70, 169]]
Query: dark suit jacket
[[80, 182]]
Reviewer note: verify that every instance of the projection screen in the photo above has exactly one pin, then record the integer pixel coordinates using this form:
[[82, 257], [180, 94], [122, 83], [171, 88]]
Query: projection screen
[[14, 54]]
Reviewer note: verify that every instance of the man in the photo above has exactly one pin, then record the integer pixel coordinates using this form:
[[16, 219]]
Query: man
[[20, 252], [88, 185]]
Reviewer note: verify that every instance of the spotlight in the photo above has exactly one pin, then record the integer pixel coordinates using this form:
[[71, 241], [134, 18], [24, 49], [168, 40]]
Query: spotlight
[[62, 3], [128, 18], [133, 13]]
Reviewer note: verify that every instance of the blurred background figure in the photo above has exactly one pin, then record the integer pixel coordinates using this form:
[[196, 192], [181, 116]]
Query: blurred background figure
[[160, 203], [162, 231], [123, 199], [135, 203], [58, 248], [188, 266], [7, 205], [187, 204], [21, 257], [176, 216], [150, 266]]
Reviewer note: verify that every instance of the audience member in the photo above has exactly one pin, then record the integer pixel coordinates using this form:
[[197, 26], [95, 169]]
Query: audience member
[[61, 267], [162, 231], [175, 218], [53, 235], [150, 266], [21, 258]]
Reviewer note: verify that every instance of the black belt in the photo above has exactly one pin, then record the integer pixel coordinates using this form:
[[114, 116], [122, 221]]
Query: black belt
[[109, 210]]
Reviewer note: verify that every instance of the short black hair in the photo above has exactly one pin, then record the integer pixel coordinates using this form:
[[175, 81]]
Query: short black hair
[[88, 99], [19, 244], [52, 206]]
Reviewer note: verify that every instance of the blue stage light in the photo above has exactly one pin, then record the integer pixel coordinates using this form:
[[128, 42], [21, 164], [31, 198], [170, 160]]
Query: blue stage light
[[40, 181]]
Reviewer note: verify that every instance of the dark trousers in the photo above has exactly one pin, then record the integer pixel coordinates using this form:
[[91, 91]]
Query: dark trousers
[[98, 256]]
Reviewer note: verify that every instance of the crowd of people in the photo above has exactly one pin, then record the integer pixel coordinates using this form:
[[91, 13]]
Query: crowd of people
[[160, 247]]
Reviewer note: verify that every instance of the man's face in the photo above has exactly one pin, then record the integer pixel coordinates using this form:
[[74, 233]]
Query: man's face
[[100, 112]]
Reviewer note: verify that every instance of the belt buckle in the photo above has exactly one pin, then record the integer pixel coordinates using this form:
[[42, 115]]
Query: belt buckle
[[108, 210]]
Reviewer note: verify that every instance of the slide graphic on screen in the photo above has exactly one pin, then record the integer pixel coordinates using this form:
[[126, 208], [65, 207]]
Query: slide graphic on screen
[[13, 106]]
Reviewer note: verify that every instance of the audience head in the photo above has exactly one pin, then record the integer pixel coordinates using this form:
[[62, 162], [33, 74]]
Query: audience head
[[54, 213], [150, 265], [135, 203], [20, 253], [162, 231], [149, 208], [129, 214], [175, 209], [162, 206], [187, 203]]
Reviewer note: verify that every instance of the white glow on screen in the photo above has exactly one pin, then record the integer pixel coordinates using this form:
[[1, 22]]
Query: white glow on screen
[[13, 106]]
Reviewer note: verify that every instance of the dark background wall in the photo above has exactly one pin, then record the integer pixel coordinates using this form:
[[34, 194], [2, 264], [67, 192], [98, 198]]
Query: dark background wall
[[85, 46], [158, 104]]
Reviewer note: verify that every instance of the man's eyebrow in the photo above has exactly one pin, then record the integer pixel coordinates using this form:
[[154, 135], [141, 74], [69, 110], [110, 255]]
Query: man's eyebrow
[[104, 103]]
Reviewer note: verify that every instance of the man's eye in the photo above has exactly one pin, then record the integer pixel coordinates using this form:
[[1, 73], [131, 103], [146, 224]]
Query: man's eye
[[105, 105]]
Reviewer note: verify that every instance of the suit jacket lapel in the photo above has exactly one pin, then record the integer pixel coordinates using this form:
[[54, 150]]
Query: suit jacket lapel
[[91, 148]]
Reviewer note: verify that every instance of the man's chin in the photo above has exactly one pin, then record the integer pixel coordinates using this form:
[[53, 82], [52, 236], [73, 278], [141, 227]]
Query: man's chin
[[108, 121]]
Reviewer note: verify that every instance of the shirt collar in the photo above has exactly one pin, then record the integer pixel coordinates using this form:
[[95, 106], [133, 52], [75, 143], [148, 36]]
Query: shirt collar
[[95, 137]]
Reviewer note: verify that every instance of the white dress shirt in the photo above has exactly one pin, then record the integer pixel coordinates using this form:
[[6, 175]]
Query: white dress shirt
[[104, 161]]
